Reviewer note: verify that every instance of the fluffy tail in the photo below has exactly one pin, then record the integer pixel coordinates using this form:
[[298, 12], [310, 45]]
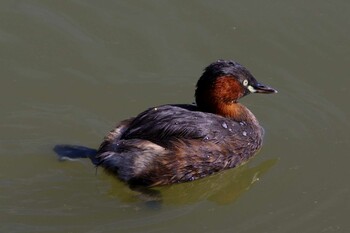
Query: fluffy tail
[[72, 152]]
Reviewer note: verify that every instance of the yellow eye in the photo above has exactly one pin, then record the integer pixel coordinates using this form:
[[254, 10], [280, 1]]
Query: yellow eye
[[245, 82]]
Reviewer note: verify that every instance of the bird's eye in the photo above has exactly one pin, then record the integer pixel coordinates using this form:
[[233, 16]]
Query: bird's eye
[[245, 82]]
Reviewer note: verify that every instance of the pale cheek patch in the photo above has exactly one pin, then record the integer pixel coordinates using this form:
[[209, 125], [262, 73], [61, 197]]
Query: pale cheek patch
[[251, 89]]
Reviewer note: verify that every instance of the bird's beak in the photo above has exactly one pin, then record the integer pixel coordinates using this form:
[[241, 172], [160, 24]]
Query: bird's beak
[[261, 88]]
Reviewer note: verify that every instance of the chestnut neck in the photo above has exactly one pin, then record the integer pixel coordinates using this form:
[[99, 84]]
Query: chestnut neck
[[233, 110], [220, 97]]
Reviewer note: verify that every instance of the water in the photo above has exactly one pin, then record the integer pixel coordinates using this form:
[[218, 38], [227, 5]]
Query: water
[[71, 69]]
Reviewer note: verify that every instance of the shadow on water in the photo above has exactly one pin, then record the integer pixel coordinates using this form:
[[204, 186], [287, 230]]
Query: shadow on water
[[73, 152]]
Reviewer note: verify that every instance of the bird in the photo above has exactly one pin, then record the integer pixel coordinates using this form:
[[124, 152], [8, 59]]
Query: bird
[[175, 143]]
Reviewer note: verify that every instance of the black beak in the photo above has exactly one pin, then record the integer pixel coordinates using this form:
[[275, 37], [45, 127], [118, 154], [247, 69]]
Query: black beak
[[260, 88]]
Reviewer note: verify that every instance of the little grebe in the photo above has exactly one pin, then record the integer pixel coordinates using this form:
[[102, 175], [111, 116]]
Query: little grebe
[[179, 143]]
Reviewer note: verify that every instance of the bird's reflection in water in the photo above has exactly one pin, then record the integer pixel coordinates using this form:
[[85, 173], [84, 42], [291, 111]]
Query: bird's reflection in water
[[222, 188]]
